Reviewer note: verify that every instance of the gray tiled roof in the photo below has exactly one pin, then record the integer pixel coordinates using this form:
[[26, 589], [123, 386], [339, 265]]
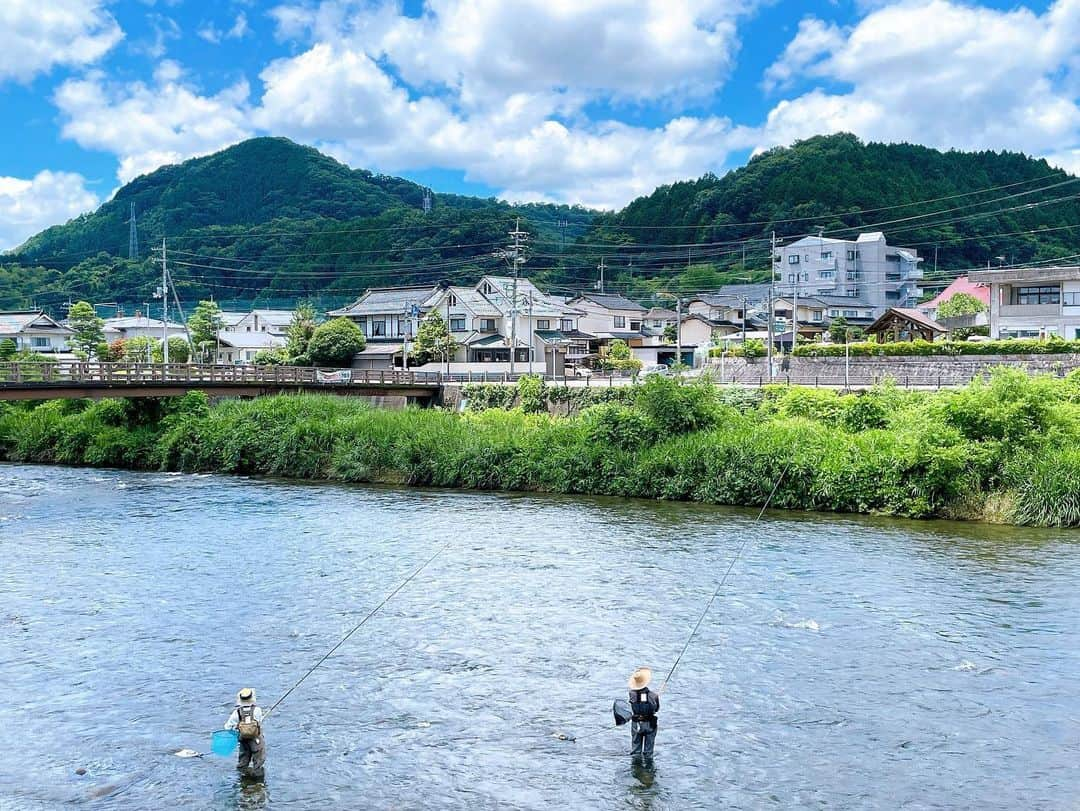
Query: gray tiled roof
[[381, 300], [613, 301]]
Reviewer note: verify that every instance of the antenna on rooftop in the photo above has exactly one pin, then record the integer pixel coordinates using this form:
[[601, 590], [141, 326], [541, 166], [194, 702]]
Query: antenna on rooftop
[[133, 235]]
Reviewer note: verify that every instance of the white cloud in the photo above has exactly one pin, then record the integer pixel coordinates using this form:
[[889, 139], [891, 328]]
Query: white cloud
[[36, 36], [214, 35], [485, 49], [146, 126], [937, 73], [28, 206]]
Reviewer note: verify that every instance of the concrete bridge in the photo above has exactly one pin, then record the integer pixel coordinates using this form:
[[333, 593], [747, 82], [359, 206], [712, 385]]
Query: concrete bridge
[[75, 379]]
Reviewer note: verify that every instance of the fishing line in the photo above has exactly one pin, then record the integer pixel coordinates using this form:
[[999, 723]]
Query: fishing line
[[360, 624], [738, 554]]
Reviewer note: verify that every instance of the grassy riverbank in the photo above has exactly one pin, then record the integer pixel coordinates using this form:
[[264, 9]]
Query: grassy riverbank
[[1005, 450]]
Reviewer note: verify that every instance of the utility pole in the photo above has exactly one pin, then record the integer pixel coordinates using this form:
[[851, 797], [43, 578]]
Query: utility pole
[[164, 306], [516, 259], [532, 334], [678, 329], [600, 267], [772, 281]]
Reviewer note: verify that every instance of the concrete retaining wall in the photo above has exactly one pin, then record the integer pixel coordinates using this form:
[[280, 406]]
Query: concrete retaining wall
[[914, 371]]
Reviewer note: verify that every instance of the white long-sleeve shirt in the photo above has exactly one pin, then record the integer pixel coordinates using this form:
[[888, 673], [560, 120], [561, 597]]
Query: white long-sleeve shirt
[[234, 719]]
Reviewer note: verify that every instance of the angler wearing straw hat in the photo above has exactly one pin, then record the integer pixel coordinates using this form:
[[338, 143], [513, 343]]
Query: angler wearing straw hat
[[246, 719], [644, 704]]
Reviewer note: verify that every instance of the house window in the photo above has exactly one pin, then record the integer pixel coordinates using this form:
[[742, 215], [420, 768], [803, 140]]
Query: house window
[[487, 324], [851, 256], [378, 328], [1072, 299], [806, 277], [567, 325], [826, 274], [451, 300], [39, 342], [635, 326], [1042, 294], [892, 295], [791, 278], [457, 323], [815, 315], [851, 313], [543, 323], [657, 322], [620, 322], [793, 259], [826, 254], [487, 289]]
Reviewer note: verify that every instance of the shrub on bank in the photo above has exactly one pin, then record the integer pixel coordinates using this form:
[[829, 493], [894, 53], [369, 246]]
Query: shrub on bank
[[1012, 346], [1013, 438]]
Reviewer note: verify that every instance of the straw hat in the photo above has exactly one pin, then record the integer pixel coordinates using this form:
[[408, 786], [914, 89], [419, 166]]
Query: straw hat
[[246, 696], [640, 678]]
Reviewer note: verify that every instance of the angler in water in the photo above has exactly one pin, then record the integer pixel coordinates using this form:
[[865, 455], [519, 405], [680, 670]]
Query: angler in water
[[246, 719], [644, 705]]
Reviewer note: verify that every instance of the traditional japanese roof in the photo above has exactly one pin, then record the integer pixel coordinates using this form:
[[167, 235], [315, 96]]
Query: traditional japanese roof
[[552, 335], [231, 319], [380, 300], [661, 314], [913, 317], [469, 298], [610, 301], [381, 349], [139, 322], [17, 321], [250, 340], [496, 340]]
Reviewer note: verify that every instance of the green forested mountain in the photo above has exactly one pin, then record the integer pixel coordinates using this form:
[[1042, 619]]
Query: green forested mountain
[[965, 207], [268, 221]]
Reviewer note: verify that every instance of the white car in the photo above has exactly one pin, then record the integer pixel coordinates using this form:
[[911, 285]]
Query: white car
[[655, 369], [582, 371]]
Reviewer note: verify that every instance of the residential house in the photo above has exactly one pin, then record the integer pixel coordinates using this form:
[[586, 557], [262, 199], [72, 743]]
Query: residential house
[[388, 317], [241, 347], [866, 270], [812, 317], [140, 326], [275, 322], [1033, 302], [34, 331]]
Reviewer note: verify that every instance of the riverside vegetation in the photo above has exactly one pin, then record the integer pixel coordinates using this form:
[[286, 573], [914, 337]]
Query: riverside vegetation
[[1005, 449]]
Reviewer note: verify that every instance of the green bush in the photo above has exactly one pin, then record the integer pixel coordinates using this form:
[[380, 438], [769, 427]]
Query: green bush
[[1014, 346], [1010, 439], [335, 342], [532, 394]]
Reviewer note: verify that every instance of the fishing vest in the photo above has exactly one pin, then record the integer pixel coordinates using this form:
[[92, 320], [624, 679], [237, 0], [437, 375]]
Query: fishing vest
[[641, 706], [248, 728]]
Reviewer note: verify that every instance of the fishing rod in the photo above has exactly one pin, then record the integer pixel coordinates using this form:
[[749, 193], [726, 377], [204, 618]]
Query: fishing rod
[[359, 625], [562, 736]]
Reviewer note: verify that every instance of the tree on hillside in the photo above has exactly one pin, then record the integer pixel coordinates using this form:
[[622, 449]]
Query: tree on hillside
[[959, 304], [433, 341], [299, 333], [88, 328], [335, 342], [204, 325]]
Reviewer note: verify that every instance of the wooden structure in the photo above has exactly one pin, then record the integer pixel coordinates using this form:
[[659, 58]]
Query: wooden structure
[[902, 324]]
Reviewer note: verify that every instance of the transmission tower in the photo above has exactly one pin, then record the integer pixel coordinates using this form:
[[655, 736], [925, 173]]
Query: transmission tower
[[133, 235], [427, 201]]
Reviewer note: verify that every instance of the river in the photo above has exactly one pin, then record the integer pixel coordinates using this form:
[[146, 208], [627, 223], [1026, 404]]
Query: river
[[847, 663]]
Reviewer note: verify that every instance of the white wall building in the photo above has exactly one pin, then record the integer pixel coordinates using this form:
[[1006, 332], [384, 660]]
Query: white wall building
[[241, 347], [867, 270], [1033, 302], [34, 331], [139, 326]]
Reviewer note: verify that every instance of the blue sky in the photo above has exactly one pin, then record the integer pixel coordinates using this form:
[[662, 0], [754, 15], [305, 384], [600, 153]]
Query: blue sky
[[581, 101]]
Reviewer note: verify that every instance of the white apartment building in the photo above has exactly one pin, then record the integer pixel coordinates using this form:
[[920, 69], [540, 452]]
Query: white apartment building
[[1033, 302], [866, 270]]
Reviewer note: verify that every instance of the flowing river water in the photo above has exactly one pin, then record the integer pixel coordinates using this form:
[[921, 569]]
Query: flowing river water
[[848, 662]]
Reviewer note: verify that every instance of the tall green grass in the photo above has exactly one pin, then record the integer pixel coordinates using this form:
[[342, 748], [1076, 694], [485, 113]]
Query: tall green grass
[[886, 451]]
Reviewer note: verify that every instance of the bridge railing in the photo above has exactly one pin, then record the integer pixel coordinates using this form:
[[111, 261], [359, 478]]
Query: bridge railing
[[61, 373]]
